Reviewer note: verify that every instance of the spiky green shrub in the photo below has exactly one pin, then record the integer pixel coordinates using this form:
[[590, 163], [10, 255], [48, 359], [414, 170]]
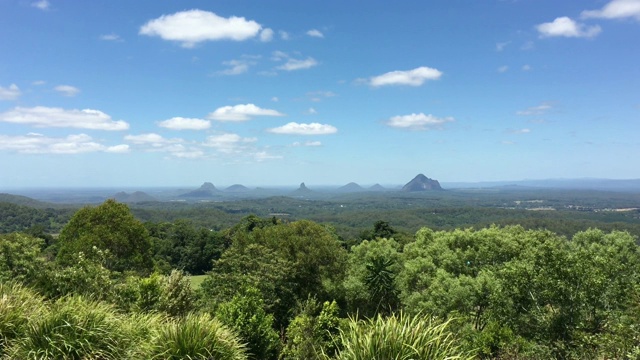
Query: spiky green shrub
[[74, 328], [196, 337], [177, 298], [18, 306], [399, 337]]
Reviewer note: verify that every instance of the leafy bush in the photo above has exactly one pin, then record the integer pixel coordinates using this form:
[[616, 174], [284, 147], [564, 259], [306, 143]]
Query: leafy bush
[[311, 333], [245, 314]]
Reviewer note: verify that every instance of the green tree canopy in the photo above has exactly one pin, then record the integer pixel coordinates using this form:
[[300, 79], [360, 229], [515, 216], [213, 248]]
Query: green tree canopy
[[111, 228]]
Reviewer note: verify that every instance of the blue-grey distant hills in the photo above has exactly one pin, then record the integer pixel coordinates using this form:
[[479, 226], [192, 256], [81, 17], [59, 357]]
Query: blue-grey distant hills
[[207, 190], [350, 187], [624, 185], [134, 197], [237, 188], [302, 190], [421, 183]]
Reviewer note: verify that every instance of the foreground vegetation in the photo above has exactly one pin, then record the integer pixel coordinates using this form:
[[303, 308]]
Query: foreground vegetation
[[112, 287]]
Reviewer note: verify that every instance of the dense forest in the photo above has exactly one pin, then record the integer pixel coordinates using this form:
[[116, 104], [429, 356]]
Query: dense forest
[[405, 281]]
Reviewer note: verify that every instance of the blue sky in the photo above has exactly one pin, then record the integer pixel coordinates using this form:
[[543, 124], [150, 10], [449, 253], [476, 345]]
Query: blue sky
[[266, 93]]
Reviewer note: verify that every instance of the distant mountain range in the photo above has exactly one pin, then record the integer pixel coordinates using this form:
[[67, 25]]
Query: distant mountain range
[[134, 197], [207, 190], [43, 198]]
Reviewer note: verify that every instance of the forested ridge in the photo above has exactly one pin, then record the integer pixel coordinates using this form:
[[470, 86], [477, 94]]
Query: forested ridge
[[115, 282]]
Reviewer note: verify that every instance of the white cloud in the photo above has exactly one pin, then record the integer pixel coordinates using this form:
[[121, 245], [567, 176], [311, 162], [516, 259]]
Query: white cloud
[[312, 111], [415, 77], [502, 45], [185, 153], [616, 9], [39, 144], [284, 35], [153, 142], [42, 4], [535, 110], [266, 35], [291, 63], [566, 27], [418, 121], [118, 149], [298, 64], [10, 93], [180, 123], [41, 116], [263, 156], [503, 69], [67, 90], [194, 26], [228, 143], [307, 143], [39, 82], [275, 99], [526, 67], [519, 131], [110, 37], [317, 96], [315, 33], [241, 112], [237, 67], [294, 128]]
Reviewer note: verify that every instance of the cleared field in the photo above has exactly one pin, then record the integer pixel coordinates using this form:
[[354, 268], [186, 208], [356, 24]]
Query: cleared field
[[196, 280]]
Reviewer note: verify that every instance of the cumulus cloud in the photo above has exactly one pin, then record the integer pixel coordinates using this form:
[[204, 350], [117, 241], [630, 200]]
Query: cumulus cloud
[[616, 9], [266, 35], [566, 27], [315, 33], [294, 128], [415, 77], [174, 147], [535, 110], [67, 90], [241, 112], [180, 123], [34, 143], [41, 116], [284, 35], [42, 4], [194, 26], [228, 143], [10, 93], [418, 121], [150, 139]]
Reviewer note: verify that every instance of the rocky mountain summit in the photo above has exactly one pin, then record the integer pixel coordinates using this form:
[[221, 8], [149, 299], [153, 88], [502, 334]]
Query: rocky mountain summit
[[206, 190], [422, 183]]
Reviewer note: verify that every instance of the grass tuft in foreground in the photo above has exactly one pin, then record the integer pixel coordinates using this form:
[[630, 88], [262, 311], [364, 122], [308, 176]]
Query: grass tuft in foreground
[[399, 337]]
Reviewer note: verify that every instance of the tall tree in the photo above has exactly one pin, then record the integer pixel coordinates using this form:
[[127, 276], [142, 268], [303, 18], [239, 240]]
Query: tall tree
[[111, 228]]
